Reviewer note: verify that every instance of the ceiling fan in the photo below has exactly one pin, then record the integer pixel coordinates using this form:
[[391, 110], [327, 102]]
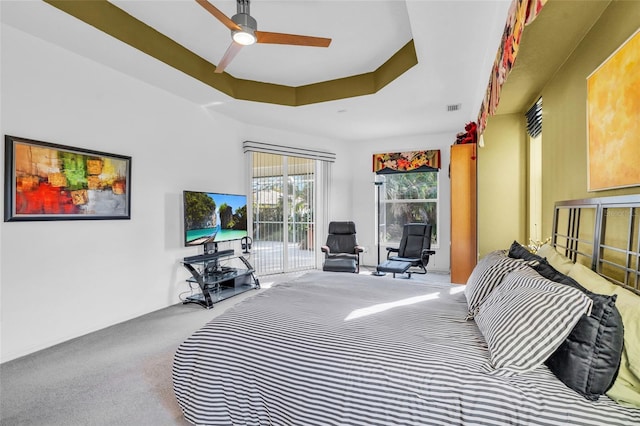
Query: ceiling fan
[[244, 32]]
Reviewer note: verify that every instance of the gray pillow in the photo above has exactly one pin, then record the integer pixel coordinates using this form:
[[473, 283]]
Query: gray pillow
[[589, 359], [518, 251]]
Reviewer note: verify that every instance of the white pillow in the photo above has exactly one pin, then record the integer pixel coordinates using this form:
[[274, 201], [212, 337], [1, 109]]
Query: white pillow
[[487, 275], [526, 318]]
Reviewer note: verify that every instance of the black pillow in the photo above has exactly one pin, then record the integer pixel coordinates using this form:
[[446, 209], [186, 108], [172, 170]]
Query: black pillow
[[588, 360], [517, 251]]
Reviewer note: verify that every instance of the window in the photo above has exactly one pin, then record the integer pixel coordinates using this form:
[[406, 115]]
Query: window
[[290, 187], [408, 197], [534, 129], [283, 212]]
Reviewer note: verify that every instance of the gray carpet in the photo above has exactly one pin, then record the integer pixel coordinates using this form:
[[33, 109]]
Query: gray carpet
[[117, 376]]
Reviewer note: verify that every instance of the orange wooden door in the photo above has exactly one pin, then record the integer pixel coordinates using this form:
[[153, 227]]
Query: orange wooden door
[[463, 212]]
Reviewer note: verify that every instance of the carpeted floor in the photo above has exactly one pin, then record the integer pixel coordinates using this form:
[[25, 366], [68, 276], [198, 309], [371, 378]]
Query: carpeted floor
[[117, 376]]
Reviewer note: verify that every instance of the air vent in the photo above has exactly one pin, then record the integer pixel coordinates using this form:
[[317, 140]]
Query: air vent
[[454, 107]]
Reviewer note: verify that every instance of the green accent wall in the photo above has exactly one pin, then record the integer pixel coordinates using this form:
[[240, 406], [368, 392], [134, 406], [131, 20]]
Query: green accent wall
[[112, 20], [502, 184], [564, 134], [502, 190]]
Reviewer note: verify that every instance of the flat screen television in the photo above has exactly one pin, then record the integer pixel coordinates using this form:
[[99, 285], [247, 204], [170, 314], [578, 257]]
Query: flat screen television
[[211, 218]]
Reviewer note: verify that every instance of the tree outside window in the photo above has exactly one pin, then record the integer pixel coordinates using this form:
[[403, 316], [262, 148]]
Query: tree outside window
[[406, 198]]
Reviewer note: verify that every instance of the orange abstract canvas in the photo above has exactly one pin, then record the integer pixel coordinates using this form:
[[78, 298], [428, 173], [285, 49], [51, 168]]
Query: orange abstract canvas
[[613, 116], [47, 181]]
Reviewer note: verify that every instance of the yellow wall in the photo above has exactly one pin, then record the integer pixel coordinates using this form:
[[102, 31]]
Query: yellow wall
[[502, 164], [564, 119], [502, 187]]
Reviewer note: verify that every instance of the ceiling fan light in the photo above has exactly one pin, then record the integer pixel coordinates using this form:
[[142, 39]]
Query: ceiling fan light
[[244, 37]]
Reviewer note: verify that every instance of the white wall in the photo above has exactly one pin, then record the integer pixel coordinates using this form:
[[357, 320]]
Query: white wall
[[363, 192], [62, 279]]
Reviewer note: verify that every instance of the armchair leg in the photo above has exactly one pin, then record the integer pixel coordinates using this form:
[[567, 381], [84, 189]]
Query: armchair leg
[[423, 269]]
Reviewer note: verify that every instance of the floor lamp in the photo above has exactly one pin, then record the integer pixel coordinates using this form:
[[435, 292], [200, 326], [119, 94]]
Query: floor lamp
[[377, 273]]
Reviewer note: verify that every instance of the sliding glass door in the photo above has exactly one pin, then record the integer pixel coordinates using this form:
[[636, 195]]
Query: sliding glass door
[[283, 211]]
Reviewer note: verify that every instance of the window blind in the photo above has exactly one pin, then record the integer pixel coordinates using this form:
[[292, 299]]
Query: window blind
[[250, 146], [534, 119], [290, 190]]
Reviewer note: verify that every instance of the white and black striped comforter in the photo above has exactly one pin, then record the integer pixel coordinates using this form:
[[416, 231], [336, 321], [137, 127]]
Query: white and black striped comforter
[[342, 349]]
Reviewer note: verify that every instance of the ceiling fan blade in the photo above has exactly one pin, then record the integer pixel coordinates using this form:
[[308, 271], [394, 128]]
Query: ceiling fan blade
[[231, 53], [298, 40], [218, 14]]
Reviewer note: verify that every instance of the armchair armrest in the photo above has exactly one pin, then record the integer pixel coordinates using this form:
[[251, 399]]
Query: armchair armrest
[[427, 252], [392, 250], [359, 249], [325, 249]]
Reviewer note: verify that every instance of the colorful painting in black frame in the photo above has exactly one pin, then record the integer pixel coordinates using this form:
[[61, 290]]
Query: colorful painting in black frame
[[47, 181]]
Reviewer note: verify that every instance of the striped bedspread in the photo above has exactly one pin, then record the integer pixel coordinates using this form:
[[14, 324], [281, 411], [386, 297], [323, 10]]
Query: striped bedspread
[[345, 349]]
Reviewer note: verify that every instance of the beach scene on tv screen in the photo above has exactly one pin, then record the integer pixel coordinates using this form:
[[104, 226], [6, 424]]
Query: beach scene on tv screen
[[211, 217]]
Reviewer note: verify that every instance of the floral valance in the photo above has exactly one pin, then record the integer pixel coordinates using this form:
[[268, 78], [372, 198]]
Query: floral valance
[[400, 162], [521, 13]]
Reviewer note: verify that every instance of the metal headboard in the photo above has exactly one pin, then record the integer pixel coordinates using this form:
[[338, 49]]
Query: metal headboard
[[603, 234]]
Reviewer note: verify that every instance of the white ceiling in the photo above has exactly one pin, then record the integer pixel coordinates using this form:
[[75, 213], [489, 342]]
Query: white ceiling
[[456, 43]]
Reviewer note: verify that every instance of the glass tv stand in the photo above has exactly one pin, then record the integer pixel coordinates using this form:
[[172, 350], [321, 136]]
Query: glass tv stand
[[219, 275]]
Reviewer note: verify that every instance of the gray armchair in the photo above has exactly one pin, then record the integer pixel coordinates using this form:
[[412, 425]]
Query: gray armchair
[[342, 252], [415, 246]]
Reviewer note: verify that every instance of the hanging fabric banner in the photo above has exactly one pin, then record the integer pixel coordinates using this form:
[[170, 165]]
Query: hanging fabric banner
[[401, 162], [521, 13]]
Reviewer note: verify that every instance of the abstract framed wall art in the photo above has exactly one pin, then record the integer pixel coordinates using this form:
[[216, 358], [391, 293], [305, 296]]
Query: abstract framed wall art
[[613, 119], [47, 181]]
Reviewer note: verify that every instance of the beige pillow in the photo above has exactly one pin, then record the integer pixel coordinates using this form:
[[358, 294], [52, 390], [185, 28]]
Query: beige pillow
[[626, 388], [560, 263]]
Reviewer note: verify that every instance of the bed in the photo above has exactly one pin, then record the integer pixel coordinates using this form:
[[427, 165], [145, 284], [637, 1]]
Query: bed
[[343, 349], [603, 234]]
